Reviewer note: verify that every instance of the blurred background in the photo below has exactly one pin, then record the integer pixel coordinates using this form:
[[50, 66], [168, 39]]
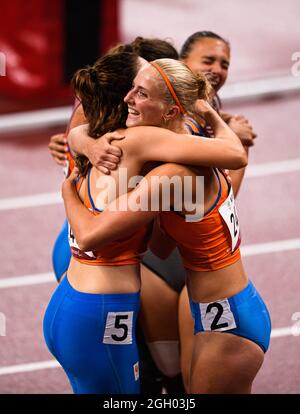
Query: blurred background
[[41, 45]]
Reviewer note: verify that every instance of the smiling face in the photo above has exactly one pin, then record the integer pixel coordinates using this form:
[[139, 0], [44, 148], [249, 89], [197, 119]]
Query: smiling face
[[212, 57], [145, 99]]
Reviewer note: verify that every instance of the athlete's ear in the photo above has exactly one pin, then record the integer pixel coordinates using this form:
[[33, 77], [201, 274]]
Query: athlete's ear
[[172, 113]]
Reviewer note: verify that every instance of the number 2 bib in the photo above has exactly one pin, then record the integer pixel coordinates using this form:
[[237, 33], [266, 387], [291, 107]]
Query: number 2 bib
[[229, 215], [217, 316]]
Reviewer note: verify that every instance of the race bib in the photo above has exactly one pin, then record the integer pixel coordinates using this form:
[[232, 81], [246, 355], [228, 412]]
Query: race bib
[[229, 215], [217, 316], [66, 169], [71, 238], [75, 248], [118, 328]]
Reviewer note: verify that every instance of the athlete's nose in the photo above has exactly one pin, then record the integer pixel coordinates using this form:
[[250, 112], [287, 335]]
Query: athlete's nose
[[129, 96], [216, 68]]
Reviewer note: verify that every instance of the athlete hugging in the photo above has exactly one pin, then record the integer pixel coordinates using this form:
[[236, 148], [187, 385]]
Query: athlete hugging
[[159, 112]]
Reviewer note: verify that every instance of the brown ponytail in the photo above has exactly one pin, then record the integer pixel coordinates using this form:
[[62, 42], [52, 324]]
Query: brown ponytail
[[101, 89]]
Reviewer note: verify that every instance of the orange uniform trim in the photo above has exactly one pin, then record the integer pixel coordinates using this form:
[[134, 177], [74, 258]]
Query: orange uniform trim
[[204, 245]]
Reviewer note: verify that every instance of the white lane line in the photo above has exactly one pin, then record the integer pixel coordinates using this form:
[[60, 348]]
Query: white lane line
[[288, 331], [27, 280], [35, 119], [33, 366], [271, 168], [42, 199], [247, 250], [271, 247], [259, 88], [37, 366], [252, 89]]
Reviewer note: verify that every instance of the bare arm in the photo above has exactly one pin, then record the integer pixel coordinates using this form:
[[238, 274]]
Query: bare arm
[[102, 154], [224, 151], [92, 232], [159, 144]]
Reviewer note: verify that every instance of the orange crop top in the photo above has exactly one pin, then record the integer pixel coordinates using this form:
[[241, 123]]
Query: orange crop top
[[211, 243], [125, 251]]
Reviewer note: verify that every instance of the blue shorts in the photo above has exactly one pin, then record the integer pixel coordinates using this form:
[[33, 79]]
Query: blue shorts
[[93, 338], [244, 314], [61, 254]]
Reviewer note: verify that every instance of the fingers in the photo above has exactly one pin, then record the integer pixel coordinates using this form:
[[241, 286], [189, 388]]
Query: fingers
[[113, 150], [111, 158], [59, 138], [103, 170], [113, 135], [107, 166], [59, 158], [247, 141], [58, 147], [107, 148]]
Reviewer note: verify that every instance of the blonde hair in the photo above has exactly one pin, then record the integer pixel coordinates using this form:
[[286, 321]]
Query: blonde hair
[[187, 85]]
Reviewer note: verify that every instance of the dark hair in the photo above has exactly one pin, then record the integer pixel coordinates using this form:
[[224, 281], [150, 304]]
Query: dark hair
[[101, 89], [147, 48], [152, 49], [188, 44]]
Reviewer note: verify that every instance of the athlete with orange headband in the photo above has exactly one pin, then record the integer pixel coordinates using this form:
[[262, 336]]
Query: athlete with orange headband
[[232, 324]]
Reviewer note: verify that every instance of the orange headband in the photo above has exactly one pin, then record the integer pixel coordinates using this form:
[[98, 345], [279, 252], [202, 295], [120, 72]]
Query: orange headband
[[170, 87]]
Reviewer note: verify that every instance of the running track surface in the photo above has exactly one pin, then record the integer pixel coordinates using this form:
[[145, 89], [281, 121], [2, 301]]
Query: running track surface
[[268, 210]]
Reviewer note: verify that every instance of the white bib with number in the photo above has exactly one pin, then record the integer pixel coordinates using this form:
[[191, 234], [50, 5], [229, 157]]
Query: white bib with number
[[66, 169], [118, 328], [217, 316], [73, 245], [229, 215]]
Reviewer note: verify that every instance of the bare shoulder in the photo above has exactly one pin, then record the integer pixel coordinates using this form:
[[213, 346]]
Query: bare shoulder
[[140, 132], [79, 130], [136, 138]]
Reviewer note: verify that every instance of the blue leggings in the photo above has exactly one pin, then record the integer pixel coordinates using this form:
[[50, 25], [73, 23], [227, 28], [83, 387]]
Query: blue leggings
[[93, 338], [61, 254]]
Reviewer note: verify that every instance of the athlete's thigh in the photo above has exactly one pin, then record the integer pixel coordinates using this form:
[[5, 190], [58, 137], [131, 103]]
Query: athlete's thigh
[[159, 304], [224, 363], [186, 333]]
